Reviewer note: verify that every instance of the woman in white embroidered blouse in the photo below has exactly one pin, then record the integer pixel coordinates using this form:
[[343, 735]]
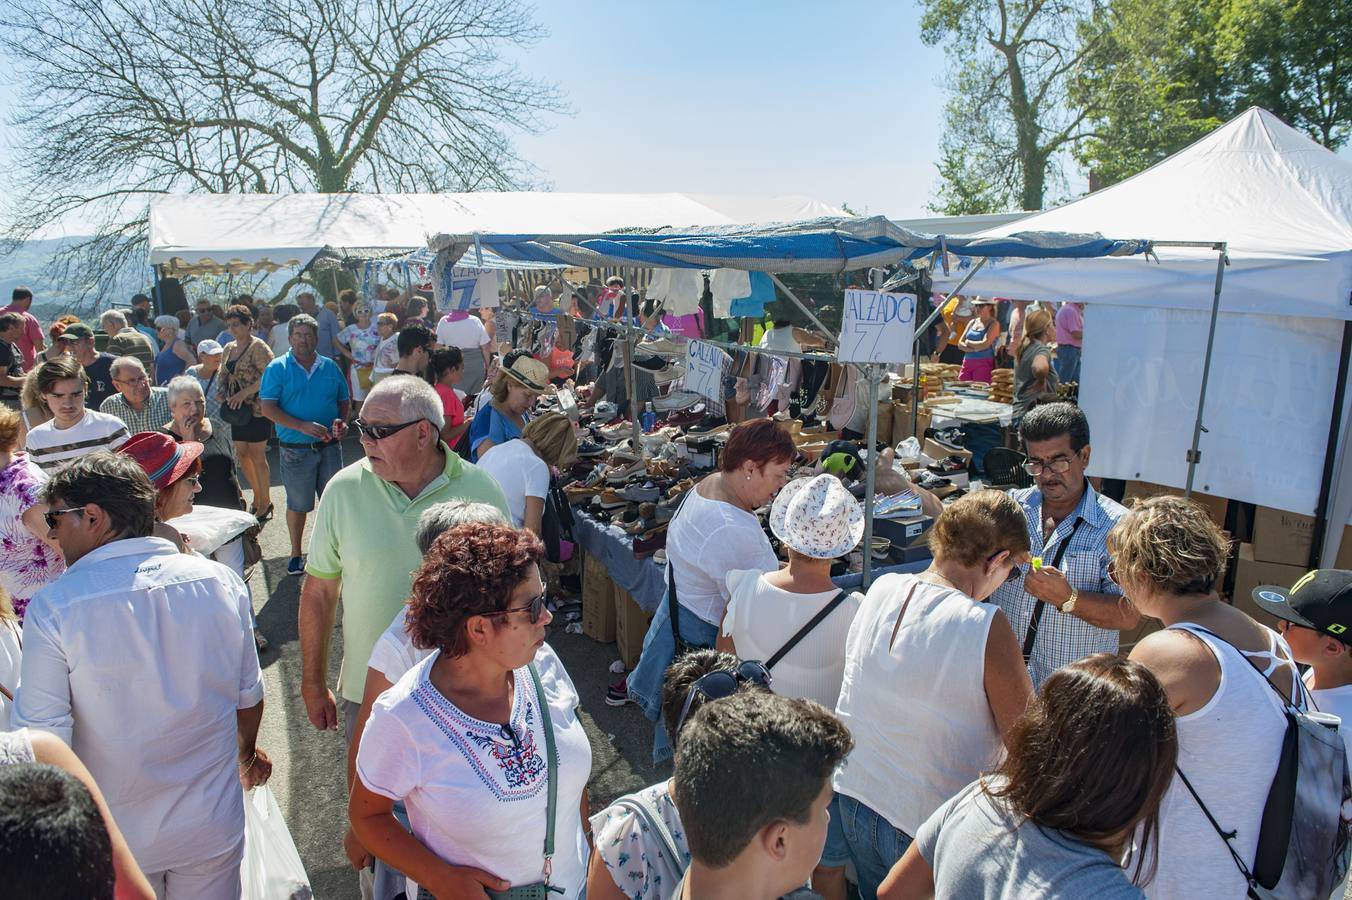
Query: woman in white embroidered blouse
[[461, 737]]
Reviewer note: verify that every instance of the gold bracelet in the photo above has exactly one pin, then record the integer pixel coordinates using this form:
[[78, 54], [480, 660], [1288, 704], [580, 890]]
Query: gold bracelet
[[249, 765]]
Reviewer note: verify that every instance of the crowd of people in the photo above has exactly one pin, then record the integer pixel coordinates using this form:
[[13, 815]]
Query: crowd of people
[[968, 731]]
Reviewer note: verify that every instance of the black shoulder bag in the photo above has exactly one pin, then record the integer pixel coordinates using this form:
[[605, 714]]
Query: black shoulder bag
[[812, 623], [556, 524], [1041, 605]]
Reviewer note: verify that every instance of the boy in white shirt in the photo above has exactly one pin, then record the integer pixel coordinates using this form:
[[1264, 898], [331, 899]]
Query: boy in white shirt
[[1316, 619]]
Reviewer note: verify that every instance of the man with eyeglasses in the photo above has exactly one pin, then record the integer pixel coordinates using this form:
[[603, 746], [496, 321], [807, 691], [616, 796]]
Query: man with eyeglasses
[[142, 659], [1066, 607], [363, 542], [306, 395], [205, 325], [141, 406]]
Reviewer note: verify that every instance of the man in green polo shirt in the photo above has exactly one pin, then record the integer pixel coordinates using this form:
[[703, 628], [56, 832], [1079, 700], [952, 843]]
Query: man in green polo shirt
[[363, 536]]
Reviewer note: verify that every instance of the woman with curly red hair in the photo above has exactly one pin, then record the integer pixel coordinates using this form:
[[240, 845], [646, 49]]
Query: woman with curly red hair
[[477, 738]]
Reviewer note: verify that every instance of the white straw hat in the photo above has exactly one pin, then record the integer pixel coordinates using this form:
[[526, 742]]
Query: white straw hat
[[817, 517]]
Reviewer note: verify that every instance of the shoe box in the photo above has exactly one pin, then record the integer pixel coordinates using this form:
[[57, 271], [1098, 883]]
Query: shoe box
[[1284, 537], [598, 602], [631, 625]]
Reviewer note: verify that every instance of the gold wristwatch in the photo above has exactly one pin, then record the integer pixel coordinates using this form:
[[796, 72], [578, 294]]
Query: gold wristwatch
[[1069, 605]]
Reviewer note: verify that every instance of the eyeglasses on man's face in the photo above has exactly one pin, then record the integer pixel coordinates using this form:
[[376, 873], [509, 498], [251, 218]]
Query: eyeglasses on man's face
[[52, 516], [1059, 465]]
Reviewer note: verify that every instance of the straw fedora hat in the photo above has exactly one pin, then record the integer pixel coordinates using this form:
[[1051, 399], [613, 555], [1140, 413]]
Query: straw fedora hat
[[817, 517], [530, 373]]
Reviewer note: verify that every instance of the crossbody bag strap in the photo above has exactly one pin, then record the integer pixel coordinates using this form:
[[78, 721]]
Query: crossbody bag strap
[[651, 821], [1226, 836], [1030, 637], [803, 632], [673, 607], [552, 761]]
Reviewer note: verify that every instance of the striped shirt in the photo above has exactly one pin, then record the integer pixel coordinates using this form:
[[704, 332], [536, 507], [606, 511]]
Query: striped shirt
[[151, 417], [1061, 637], [49, 446]]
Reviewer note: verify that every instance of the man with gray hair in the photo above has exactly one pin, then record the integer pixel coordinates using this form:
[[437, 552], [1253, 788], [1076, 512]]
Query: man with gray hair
[[141, 406], [124, 340], [392, 656], [306, 396], [363, 544]]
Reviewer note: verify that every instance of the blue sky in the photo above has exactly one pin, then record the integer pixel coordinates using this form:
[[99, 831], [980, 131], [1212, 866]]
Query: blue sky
[[839, 102]]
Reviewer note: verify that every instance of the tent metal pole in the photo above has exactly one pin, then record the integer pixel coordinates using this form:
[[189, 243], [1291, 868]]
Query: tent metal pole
[[1195, 454], [635, 429], [870, 474], [334, 273], [803, 307], [915, 346], [1321, 510]]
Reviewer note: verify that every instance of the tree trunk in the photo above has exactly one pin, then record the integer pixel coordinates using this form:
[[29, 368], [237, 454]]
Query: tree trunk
[[1032, 161]]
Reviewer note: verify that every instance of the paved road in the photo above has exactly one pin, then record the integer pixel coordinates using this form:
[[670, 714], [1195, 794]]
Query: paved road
[[309, 765]]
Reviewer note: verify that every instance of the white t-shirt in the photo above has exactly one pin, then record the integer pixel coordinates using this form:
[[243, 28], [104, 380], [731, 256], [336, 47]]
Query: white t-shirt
[[780, 339], [917, 707], [394, 654], [49, 446], [761, 618], [11, 643], [477, 796], [280, 340], [1335, 701], [469, 333], [706, 540], [520, 474]]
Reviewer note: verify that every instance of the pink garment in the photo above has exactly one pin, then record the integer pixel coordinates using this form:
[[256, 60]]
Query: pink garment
[[979, 369], [456, 316], [27, 564], [29, 338], [1069, 318], [691, 326]]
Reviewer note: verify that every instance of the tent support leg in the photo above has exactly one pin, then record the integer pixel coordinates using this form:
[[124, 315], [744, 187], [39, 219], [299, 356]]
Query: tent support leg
[[870, 473], [1195, 454], [803, 307], [635, 428], [155, 292], [915, 347], [1321, 511]]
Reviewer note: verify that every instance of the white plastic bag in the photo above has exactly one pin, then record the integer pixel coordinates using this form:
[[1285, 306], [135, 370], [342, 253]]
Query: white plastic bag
[[272, 869]]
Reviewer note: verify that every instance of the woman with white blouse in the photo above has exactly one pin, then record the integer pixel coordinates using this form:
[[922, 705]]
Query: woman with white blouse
[[818, 520], [934, 677], [471, 737]]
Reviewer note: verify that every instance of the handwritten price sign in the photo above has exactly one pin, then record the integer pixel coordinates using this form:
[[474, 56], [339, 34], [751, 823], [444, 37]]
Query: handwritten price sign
[[877, 327], [704, 368]]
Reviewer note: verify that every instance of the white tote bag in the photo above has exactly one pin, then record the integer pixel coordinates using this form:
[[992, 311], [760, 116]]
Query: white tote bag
[[272, 869]]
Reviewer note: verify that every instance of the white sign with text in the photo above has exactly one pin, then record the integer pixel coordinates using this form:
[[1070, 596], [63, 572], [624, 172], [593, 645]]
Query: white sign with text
[[704, 368], [877, 327]]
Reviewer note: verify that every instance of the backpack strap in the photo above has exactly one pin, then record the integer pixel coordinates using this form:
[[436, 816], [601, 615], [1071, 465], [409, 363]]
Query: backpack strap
[[1226, 836], [803, 632], [652, 822]]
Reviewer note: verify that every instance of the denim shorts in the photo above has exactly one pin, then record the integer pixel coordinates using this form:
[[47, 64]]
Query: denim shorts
[[858, 834], [306, 471]]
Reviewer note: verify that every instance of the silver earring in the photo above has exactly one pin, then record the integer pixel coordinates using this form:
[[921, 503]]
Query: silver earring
[[748, 478]]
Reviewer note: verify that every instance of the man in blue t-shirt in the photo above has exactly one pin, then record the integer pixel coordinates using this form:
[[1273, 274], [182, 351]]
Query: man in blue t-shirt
[[306, 396]]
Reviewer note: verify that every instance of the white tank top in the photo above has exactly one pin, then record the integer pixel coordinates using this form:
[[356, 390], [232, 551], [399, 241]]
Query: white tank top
[[922, 726], [1229, 750]]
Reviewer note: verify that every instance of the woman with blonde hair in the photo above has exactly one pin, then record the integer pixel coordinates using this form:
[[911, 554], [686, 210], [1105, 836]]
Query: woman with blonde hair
[[522, 467], [1034, 374], [934, 678], [34, 410], [1168, 557]]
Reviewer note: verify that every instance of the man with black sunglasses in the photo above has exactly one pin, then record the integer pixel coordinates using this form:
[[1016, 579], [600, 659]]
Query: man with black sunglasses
[[1066, 607], [363, 543]]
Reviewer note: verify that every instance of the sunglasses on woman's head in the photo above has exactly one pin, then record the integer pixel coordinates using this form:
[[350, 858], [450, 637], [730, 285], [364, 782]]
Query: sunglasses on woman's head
[[724, 683], [536, 608]]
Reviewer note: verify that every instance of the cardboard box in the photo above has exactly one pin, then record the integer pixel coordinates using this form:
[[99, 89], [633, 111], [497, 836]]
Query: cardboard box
[[1344, 560], [631, 625], [1250, 573], [1216, 507], [936, 451], [598, 602], [901, 423], [1282, 537]]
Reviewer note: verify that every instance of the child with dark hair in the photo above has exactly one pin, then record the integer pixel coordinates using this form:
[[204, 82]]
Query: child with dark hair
[[56, 844], [640, 843], [752, 784]]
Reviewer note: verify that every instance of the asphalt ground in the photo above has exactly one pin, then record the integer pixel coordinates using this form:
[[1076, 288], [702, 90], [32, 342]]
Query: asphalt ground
[[308, 765]]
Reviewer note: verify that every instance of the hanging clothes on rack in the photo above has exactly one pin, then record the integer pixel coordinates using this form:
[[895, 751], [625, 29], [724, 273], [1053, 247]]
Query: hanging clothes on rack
[[753, 306], [728, 285], [678, 290]]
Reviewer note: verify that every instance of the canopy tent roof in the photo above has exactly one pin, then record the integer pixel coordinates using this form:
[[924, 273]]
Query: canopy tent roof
[[212, 233], [832, 244], [1281, 201]]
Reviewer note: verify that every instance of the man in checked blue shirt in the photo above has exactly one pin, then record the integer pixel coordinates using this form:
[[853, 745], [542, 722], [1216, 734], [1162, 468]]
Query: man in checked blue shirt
[[1068, 607]]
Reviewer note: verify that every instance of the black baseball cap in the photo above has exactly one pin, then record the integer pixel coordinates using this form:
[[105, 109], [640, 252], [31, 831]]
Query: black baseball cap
[[1321, 600], [76, 331]]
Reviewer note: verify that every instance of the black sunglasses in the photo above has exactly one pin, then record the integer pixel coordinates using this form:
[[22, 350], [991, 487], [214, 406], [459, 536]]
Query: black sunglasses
[[536, 608], [52, 515], [723, 683], [1014, 573], [380, 432]]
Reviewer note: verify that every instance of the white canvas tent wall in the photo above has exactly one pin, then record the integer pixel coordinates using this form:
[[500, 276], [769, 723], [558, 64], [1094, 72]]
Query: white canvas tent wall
[[1284, 205], [212, 233]]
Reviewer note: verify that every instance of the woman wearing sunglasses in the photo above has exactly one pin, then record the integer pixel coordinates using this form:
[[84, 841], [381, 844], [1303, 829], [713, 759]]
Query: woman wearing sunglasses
[[933, 679], [474, 737], [176, 472], [641, 851]]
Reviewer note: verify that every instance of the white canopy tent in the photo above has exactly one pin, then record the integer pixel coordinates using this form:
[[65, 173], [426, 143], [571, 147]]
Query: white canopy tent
[[214, 233], [1283, 203]]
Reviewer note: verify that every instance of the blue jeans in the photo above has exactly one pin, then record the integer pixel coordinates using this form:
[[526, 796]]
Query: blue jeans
[[659, 648], [857, 833], [306, 471], [1067, 363]]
